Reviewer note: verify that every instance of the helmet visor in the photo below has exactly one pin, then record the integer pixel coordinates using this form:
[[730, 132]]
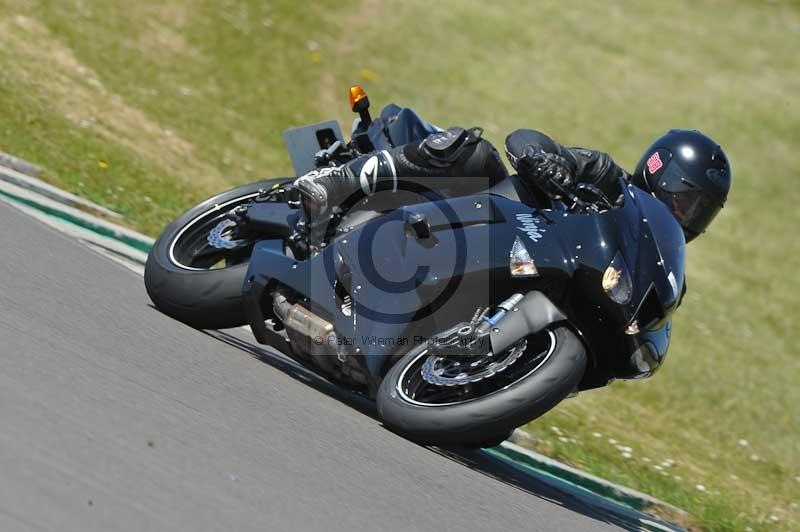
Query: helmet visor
[[694, 209]]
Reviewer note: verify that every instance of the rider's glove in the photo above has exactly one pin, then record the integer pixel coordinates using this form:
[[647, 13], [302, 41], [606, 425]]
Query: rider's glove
[[550, 172]]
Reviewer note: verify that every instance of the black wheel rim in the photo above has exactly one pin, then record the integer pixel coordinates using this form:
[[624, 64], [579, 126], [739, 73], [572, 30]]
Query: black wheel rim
[[191, 250], [413, 387]]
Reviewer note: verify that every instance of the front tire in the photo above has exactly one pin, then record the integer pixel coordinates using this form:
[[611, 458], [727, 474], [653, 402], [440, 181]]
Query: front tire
[[472, 421], [191, 291]]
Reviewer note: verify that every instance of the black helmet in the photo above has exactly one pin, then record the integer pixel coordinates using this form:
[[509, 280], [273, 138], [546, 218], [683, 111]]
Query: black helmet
[[690, 173]]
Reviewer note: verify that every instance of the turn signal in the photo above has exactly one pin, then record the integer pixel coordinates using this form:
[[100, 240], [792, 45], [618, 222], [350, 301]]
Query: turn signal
[[357, 94]]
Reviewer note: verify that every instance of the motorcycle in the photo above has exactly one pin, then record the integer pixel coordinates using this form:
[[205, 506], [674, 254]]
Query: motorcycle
[[462, 312]]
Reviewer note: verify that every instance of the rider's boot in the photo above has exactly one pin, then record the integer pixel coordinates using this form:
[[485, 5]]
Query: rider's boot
[[324, 189], [455, 152]]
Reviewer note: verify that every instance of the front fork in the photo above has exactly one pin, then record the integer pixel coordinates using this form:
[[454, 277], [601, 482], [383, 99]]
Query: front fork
[[469, 338]]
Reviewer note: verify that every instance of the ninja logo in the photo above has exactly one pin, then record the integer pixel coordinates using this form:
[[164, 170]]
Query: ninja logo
[[530, 226]]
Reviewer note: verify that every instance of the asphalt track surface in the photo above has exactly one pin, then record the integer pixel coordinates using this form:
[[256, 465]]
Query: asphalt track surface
[[115, 417]]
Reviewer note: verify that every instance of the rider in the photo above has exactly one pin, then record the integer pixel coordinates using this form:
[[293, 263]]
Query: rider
[[685, 169]]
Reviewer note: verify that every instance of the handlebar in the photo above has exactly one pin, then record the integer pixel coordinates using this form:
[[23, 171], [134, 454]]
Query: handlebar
[[577, 202]]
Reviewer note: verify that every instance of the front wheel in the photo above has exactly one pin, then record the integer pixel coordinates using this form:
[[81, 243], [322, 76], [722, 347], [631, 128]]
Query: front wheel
[[194, 282], [436, 400]]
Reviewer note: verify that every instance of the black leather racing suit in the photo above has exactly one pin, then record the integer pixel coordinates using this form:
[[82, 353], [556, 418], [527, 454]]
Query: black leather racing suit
[[454, 153]]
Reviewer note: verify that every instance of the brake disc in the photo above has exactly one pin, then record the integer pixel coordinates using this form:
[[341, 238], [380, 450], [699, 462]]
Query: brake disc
[[443, 372], [220, 236]]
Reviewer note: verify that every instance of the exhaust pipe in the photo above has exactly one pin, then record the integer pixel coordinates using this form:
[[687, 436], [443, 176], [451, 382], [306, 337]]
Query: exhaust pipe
[[308, 333]]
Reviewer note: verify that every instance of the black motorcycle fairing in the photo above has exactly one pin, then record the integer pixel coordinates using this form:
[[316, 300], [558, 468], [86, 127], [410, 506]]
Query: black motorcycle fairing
[[646, 352], [582, 245], [404, 287], [670, 246]]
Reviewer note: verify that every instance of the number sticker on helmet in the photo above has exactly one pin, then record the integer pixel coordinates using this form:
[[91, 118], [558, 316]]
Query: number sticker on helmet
[[654, 163]]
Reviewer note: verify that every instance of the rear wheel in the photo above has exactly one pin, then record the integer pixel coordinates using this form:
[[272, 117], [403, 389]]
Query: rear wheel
[[438, 400], [194, 281]]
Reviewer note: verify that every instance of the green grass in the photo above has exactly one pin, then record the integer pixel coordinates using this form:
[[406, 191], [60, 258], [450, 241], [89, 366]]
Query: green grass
[[150, 106]]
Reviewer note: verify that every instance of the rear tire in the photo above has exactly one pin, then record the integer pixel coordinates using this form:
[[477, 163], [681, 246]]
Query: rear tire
[[479, 421], [200, 298]]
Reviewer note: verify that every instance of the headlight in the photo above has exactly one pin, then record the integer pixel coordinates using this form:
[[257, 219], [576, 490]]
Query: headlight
[[521, 263], [617, 281]]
